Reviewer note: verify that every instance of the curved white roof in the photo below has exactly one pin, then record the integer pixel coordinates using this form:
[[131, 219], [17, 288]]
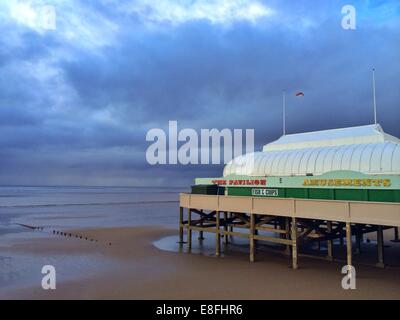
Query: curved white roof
[[364, 149]]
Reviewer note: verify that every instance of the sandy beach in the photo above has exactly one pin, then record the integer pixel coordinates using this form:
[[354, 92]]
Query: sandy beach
[[139, 270]]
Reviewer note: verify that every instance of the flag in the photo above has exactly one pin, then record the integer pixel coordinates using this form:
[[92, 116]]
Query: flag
[[300, 94]]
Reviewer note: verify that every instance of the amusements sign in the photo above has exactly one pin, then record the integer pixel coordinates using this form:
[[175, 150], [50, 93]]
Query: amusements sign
[[348, 182]]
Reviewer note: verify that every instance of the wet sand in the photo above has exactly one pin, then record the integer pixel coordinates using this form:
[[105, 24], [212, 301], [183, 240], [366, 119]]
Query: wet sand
[[139, 270]]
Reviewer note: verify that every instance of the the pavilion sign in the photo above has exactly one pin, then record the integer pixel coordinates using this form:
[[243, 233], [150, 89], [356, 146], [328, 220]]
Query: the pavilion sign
[[240, 182]]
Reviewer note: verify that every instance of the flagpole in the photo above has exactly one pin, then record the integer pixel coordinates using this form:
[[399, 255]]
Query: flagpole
[[284, 111], [374, 94]]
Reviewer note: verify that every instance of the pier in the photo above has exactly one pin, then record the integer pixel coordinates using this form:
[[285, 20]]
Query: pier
[[293, 221]]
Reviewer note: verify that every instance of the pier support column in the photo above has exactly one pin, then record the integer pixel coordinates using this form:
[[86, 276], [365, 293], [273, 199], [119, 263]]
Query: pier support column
[[226, 227], [255, 232], [189, 231], [396, 235], [294, 244], [341, 237], [201, 237], [231, 216], [348, 244], [217, 235], [287, 229], [380, 245], [358, 242], [282, 227], [252, 231], [230, 228], [330, 242], [180, 225]]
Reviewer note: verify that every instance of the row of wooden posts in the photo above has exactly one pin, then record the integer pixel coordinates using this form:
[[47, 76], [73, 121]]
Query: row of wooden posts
[[291, 230]]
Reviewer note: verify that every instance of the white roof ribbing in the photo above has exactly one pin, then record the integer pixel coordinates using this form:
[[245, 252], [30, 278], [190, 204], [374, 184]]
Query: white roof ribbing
[[354, 135], [364, 149]]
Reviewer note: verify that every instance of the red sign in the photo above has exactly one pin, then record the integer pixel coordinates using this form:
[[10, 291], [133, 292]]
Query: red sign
[[238, 182]]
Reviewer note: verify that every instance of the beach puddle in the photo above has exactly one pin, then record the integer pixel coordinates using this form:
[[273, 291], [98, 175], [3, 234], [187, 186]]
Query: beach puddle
[[205, 246]]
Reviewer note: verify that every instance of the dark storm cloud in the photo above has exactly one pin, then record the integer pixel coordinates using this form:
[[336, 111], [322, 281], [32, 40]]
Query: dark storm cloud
[[242, 70], [77, 111]]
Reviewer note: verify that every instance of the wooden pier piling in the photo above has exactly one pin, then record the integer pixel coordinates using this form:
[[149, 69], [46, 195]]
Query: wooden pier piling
[[252, 234], [380, 245], [189, 232], [330, 241], [201, 236], [396, 235], [181, 225], [294, 244], [287, 230], [218, 234], [349, 244], [226, 241]]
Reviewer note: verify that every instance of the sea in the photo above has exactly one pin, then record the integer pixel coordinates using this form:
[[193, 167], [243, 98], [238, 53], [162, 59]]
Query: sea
[[51, 208]]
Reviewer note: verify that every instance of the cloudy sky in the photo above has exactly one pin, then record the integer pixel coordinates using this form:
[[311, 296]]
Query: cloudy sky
[[77, 100]]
